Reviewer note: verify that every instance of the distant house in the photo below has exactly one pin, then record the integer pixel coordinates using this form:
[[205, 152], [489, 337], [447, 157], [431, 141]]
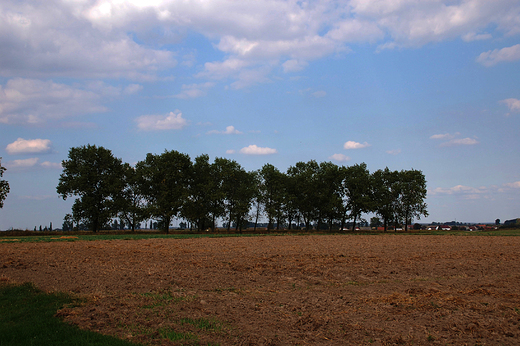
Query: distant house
[[445, 228]]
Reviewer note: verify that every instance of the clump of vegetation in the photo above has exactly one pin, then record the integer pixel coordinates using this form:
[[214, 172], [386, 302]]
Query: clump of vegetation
[[28, 317]]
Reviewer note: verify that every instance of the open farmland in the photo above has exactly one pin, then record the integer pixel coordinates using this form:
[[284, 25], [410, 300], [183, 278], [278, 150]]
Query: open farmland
[[284, 290]]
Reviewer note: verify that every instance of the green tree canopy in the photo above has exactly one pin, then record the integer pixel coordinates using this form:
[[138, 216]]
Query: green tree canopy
[[356, 191], [131, 203], [92, 174], [411, 189], [165, 184], [4, 185]]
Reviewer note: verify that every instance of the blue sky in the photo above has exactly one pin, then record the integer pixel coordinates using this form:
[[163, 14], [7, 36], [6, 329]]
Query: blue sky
[[431, 85]]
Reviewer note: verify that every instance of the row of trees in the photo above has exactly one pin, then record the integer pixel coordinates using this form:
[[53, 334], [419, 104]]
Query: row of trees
[[169, 185]]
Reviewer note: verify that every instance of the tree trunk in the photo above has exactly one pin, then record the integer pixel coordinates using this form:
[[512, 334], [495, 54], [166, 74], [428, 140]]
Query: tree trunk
[[257, 215]]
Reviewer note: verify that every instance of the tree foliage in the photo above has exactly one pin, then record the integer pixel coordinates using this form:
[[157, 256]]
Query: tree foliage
[[170, 185], [4, 185], [92, 174], [165, 184]]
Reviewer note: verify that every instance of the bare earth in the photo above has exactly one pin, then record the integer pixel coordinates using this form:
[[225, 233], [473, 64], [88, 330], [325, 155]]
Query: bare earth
[[285, 290]]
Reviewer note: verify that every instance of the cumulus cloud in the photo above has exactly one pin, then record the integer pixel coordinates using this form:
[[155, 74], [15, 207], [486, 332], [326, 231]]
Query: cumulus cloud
[[132, 89], [512, 104], [394, 152], [470, 192], [41, 40], [355, 145], [460, 141], [132, 39], [255, 150], [29, 146], [230, 151], [193, 90], [21, 164], [493, 57], [51, 165], [30, 101], [294, 65], [170, 121], [515, 185], [452, 140], [230, 130], [471, 36], [443, 136], [340, 158]]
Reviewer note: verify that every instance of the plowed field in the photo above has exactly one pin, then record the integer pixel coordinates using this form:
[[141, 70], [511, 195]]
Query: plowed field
[[285, 290]]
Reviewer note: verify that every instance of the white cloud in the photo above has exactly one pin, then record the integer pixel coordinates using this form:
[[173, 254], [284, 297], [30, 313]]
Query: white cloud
[[221, 70], [319, 94], [30, 102], [194, 90], [460, 141], [493, 57], [443, 136], [459, 189], [452, 140], [29, 146], [170, 121], [340, 158], [230, 130], [230, 151], [294, 65], [471, 36], [132, 89], [512, 104], [132, 38], [255, 150], [394, 152], [355, 145], [355, 30], [21, 164], [469, 192], [51, 165], [515, 185], [40, 40]]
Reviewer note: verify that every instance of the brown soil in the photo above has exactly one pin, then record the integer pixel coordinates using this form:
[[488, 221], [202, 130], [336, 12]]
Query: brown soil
[[286, 290]]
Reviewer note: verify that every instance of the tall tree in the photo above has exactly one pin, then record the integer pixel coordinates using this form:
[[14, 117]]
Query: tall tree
[[198, 204], [93, 174], [356, 192], [4, 185], [238, 190], [131, 201], [411, 189], [304, 176], [384, 194], [328, 198], [272, 191], [165, 184]]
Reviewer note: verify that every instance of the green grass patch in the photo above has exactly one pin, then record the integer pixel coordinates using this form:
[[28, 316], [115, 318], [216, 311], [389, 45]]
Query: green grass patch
[[27, 317], [164, 298], [203, 323], [170, 334]]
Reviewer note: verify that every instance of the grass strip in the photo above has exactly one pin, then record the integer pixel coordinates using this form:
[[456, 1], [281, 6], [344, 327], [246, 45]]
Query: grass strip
[[71, 236], [27, 317]]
